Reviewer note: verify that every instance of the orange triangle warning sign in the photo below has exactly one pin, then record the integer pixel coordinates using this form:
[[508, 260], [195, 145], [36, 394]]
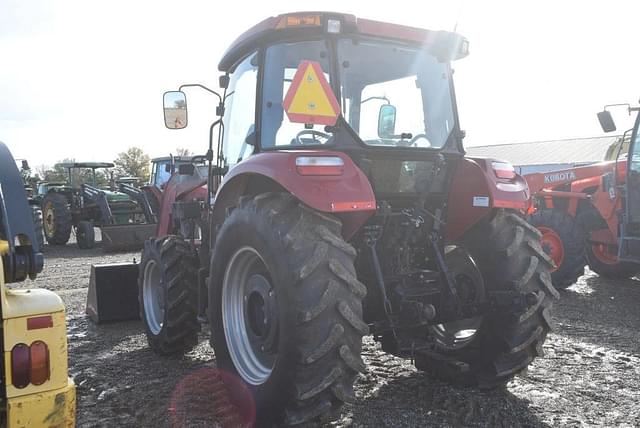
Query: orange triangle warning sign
[[310, 98]]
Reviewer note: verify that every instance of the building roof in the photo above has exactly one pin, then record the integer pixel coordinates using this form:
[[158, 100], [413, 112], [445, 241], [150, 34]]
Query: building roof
[[574, 151]]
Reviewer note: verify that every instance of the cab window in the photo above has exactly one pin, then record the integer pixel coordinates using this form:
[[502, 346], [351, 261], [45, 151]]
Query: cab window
[[240, 113], [281, 64]]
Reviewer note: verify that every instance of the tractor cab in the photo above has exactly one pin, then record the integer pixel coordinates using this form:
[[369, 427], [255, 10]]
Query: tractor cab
[[629, 242], [162, 168], [80, 173]]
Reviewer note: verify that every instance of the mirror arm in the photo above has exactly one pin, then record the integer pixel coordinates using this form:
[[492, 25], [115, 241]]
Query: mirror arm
[[198, 85]]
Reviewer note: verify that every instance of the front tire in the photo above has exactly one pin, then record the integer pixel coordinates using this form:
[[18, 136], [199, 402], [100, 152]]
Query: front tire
[[85, 235], [167, 295], [563, 240], [507, 252], [603, 260], [57, 221], [296, 339]]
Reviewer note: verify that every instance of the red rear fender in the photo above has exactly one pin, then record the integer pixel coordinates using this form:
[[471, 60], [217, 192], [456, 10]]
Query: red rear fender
[[476, 191], [346, 193]]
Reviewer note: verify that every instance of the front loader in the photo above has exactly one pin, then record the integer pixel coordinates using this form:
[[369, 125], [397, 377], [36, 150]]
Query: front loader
[[588, 215], [35, 389], [339, 203]]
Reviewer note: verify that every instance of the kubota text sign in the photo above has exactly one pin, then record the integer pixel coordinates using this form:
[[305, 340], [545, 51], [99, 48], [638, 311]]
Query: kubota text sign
[[310, 98]]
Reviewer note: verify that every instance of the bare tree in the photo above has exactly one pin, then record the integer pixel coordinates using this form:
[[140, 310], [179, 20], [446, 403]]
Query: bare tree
[[181, 151]]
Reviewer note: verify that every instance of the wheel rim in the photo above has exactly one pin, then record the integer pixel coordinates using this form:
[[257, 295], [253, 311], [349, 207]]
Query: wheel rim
[[249, 316], [602, 253], [552, 245], [468, 280], [49, 220], [153, 297]]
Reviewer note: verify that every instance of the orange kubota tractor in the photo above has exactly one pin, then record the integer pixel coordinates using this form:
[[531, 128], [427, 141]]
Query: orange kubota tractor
[[591, 214], [340, 203]]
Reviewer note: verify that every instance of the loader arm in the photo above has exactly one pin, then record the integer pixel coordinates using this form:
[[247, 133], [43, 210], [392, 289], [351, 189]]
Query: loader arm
[[99, 197], [141, 198]]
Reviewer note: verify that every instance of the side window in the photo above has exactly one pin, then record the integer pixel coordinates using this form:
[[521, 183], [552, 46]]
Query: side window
[[240, 114], [162, 176], [281, 64], [634, 158]]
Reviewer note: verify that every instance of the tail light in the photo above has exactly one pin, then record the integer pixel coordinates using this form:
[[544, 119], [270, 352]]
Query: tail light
[[39, 367], [319, 165], [504, 170], [30, 364], [20, 365]]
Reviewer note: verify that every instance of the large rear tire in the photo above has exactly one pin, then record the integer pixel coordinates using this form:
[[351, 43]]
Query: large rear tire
[[167, 293], [563, 241], [513, 266], [296, 340], [57, 221]]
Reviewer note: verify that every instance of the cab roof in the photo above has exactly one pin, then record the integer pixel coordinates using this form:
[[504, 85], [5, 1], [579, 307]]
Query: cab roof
[[309, 23], [92, 165], [175, 158]]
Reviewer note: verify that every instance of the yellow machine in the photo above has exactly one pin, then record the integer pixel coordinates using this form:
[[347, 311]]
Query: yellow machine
[[35, 388]]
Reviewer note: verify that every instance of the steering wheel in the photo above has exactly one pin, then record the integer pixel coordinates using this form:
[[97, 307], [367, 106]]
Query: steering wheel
[[415, 139], [313, 133]]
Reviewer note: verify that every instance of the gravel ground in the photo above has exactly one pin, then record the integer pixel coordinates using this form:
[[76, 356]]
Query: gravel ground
[[589, 376]]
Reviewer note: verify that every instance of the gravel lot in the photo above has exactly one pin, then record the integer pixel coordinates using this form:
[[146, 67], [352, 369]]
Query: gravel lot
[[589, 376]]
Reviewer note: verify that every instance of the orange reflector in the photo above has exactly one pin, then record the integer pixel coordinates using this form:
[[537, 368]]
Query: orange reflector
[[35, 323], [20, 355], [39, 365], [352, 206], [298, 21]]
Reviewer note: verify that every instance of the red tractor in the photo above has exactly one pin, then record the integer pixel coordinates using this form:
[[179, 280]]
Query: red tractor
[[588, 215], [340, 204]]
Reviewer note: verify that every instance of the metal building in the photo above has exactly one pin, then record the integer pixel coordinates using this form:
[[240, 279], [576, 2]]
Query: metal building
[[544, 156]]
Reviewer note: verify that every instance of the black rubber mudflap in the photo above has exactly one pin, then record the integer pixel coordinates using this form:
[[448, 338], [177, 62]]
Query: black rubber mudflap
[[113, 292]]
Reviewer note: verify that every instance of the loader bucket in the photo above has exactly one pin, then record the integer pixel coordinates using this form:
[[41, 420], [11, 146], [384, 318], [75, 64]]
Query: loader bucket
[[113, 292], [123, 237]]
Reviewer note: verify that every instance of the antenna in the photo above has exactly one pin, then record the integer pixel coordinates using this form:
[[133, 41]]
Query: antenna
[[455, 26]]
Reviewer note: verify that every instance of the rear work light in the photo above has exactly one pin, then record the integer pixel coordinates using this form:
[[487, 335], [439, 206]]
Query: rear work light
[[319, 165], [30, 364], [297, 21], [504, 170]]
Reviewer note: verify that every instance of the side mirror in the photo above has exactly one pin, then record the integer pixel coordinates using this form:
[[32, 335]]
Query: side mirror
[[175, 109], [386, 121], [186, 169], [606, 121], [25, 165], [167, 167]]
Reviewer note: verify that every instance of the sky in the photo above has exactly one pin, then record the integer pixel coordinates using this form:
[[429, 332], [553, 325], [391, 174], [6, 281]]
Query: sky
[[84, 79]]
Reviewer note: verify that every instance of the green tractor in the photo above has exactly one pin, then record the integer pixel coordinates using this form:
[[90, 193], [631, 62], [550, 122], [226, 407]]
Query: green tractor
[[28, 180], [123, 216]]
